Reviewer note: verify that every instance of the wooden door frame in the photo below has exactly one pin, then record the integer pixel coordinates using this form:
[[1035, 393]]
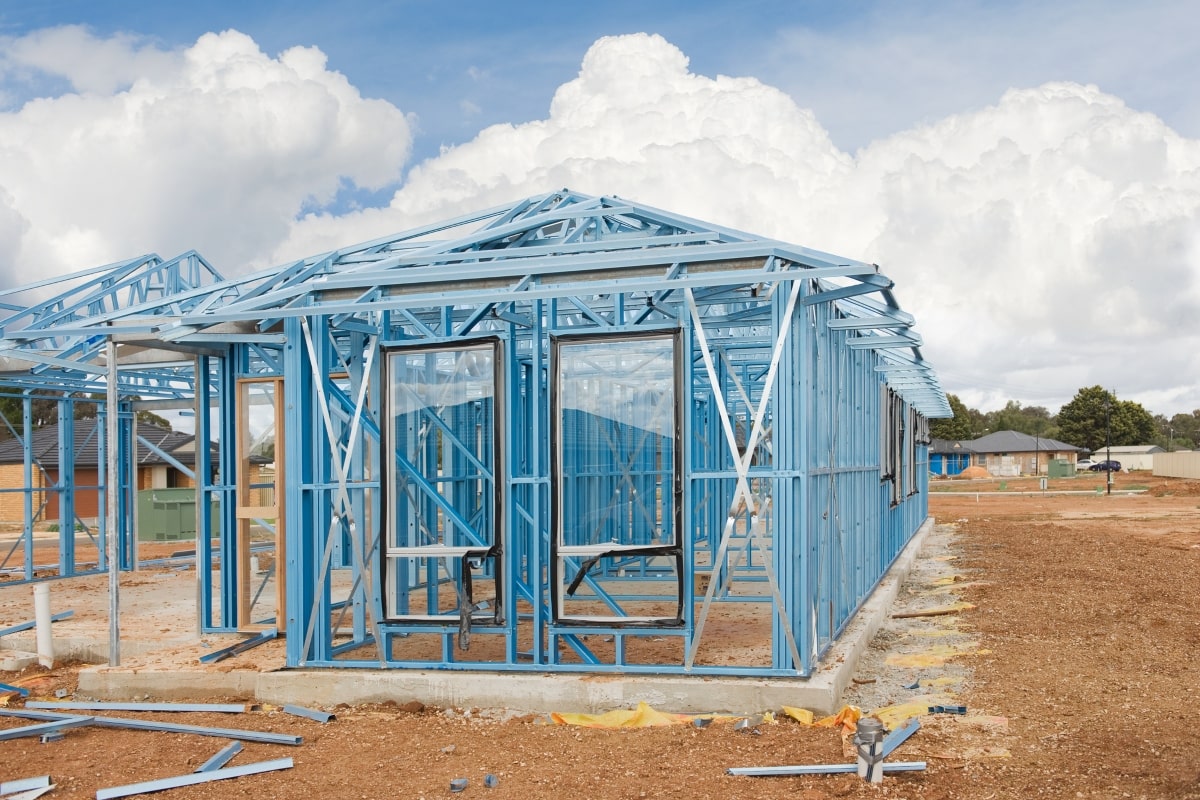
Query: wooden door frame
[[246, 513]]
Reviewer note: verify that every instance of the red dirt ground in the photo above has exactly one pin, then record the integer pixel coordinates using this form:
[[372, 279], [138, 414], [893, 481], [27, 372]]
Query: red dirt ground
[[1085, 610]]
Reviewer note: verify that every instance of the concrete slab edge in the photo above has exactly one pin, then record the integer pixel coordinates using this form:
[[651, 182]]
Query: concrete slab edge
[[837, 668], [527, 692]]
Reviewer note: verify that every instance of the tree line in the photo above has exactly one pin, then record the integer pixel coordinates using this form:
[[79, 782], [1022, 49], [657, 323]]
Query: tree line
[[44, 412], [1088, 421]]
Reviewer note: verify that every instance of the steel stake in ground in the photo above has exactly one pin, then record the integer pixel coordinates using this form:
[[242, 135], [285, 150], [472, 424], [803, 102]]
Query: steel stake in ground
[[868, 744]]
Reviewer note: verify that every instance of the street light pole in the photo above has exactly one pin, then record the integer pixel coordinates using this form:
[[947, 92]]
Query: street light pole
[[1108, 445]]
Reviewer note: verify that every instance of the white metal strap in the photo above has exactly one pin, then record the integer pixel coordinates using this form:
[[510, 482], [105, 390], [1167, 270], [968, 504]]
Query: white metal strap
[[342, 509], [742, 493]]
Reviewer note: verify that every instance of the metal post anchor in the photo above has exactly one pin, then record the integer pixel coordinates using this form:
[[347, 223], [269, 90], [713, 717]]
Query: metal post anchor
[[868, 744]]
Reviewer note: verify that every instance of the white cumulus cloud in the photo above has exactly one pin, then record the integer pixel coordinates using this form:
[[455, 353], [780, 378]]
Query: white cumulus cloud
[[1046, 242], [214, 147], [635, 123]]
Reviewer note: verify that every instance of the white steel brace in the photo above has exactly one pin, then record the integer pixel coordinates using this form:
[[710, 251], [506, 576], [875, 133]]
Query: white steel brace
[[742, 493], [342, 508]]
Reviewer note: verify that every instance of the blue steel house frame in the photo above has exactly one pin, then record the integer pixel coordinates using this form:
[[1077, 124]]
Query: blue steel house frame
[[566, 434]]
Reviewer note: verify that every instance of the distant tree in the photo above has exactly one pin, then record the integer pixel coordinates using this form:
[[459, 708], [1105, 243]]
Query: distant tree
[[969, 423], [957, 428], [1033, 420], [45, 412], [1095, 413], [90, 410], [12, 409], [1134, 424], [1181, 431], [150, 418]]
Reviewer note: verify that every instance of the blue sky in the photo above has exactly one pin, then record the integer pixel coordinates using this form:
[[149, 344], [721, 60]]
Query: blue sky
[[868, 69], [1027, 172]]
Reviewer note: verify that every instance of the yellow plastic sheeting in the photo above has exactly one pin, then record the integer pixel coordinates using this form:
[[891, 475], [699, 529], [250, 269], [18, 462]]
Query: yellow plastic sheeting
[[935, 656], [801, 715], [846, 719], [641, 717]]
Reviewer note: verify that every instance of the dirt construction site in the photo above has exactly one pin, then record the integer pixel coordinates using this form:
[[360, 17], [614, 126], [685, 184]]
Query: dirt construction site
[[1045, 641]]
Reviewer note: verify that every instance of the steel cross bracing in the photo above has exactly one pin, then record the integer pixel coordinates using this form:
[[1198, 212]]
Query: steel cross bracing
[[56, 494], [783, 487]]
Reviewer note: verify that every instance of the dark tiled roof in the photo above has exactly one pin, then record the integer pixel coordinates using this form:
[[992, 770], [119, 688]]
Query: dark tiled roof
[[949, 446], [1016, 442], [87, 438]]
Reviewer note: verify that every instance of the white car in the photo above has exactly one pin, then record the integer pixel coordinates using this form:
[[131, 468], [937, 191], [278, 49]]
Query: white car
[[1083, 464]]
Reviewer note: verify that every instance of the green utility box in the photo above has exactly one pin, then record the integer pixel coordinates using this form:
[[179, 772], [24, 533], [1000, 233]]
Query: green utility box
[[1060, 468], [167, 515]]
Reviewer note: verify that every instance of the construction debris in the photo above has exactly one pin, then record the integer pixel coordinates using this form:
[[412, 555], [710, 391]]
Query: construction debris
[[641, 717], [193, 778], [31, 794], [240, 647], [10, 689], [310, 713], [51, 726], [821, 769], [43, 727], [24, 784], [223, 708], [221, 757], [146, 725], [871, 747], [26, 626]]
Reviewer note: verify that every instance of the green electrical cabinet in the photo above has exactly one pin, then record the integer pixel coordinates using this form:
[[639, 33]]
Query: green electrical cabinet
[[166, 515], [1060, 468]]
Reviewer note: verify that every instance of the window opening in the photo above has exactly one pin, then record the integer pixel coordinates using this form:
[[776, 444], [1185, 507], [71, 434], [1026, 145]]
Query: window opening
[[616, 558], [443, 446]]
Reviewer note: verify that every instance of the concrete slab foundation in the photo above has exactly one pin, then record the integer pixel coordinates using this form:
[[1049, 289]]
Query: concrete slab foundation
[[16, 660], [526, 692]]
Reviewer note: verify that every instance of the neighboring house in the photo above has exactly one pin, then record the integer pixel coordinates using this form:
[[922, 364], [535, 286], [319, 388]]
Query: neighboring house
[[1134, 456], [948, 457], [153, 471], [1010, 453]]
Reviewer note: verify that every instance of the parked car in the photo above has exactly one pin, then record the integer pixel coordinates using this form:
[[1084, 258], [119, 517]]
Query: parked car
[[1106, 466], [1084, 463]]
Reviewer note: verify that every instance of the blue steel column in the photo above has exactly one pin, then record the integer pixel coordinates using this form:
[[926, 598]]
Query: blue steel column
[[538, 545], [66, 497], [792, 420], [204, 493], [304, 531], [357, 472], [509, 404], [27, 448], [688, 535], [227, 405], [126, 456]]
